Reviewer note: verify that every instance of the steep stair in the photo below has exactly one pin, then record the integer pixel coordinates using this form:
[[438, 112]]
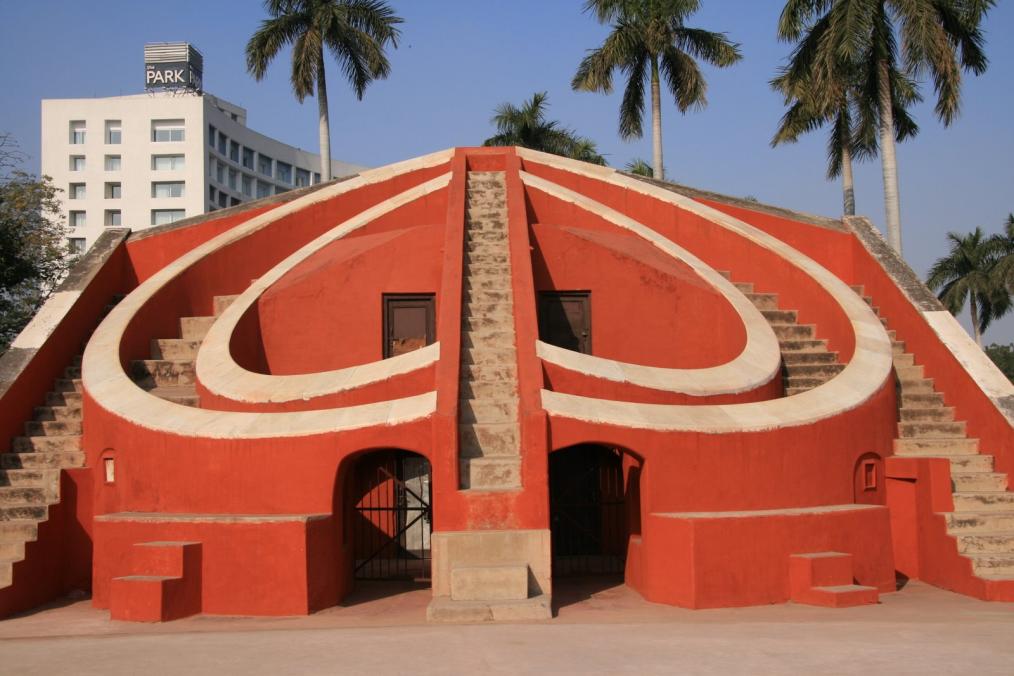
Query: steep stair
[[170, 372], [488, 401], [982, 522], [806, 361]]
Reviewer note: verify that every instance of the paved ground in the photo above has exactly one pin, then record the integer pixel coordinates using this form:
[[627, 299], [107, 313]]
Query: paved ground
[[599, 629]]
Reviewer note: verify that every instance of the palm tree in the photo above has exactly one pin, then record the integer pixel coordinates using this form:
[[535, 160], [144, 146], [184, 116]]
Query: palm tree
[[967, 273], [649, 40], [939, 38], [528, 127], [1003, 248], [639, 167], [354, 31]]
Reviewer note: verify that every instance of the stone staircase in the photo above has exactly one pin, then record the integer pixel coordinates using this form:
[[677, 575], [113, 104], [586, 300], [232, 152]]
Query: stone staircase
[[170, 373], [488, 427], [30, 472], [806, 361]]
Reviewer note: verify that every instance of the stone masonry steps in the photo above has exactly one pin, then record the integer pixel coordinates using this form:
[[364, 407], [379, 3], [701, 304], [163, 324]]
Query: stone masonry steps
[[982, 522]]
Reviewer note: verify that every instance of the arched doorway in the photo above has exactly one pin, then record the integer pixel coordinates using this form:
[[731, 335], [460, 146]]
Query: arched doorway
[[594, 507], [389, 498]]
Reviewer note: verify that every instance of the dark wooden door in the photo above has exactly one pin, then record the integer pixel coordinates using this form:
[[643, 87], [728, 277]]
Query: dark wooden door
[[565, 319], [408, 323]]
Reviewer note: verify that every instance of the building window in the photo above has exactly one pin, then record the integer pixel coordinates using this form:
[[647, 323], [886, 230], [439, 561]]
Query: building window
[[222, 144], [113, 217], [248, 158], [235, 201], [167, 188], [113, 191], [264, 164], [164, 216], [77, 132], [302, 177], [223, 199], [114, 132], [220, 173], [211, 136], [233, 179], [76, 245], [168, 131], [112, 162], [77, 191], [247, 183], [285, 173], [167, 162], [77, 162], [279, 189], [263, 189], [316, 178], [234, 151], [77, 219]]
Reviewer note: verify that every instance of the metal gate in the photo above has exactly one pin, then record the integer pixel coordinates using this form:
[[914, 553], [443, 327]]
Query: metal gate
[[587, 511], [392, 519]]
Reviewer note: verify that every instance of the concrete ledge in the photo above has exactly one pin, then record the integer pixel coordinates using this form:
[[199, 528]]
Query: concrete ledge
[[788, 511], [489, 583], [159, 517], [470, 612]]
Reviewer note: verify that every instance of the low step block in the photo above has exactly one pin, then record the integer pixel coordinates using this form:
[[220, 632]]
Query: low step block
[[444, 609], [490, 583], [825, 579], [166, 586]]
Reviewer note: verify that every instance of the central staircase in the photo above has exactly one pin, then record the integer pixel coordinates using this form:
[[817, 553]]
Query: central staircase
[[488, 408]]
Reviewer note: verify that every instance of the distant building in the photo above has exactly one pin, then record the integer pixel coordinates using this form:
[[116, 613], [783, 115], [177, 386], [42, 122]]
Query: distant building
[[154, 158]]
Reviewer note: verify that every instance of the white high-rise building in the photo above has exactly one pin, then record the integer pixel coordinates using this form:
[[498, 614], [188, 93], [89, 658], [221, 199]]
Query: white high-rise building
[[154, 158]]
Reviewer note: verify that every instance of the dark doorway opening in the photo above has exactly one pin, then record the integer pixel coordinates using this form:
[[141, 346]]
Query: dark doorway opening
[[391, 516], [594, 508], [565, 319], [408, 322]]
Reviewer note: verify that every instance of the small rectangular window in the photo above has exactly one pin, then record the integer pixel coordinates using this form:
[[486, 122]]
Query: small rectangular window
[[233, 179], [113, 217], [77, 219], [222, 143], [234, 151], [235, 201], [76, 245], [76, 191], [114, 132], [263, 189], [167, 188], [264, 164], [114, 191], [77, 132], [316, 178], [168, 131], [248, 158], [167, 162], [77, 162], [211, 136], [113, 163], [302, 178], [223, 199], [284, 173], [164, 216], [220, 173], [247, 183]]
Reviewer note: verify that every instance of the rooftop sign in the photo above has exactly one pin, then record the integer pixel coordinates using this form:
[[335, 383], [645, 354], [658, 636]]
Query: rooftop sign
[[173, 65]]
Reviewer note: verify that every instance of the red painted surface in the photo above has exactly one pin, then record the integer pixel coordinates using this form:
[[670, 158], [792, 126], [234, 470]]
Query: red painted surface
[[647, 309]]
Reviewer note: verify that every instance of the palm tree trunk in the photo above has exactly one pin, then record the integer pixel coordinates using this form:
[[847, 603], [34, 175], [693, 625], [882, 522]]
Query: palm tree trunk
[[656, 123], [847, 182], [975, 319], [892, 204], [325, 124]]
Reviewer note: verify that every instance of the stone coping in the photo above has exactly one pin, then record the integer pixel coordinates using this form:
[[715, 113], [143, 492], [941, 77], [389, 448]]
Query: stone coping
[[160, 517], [107, 382], [862, 377], [756, 365], [218, 371], [764, 513]]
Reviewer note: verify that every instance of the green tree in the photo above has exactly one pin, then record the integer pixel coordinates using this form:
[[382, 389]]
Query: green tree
[[939, 38], [1003, 357], [527, 126], [650, 41], [967, 274], [33, 249], [1003, 248], [640, 167], [355, 32]]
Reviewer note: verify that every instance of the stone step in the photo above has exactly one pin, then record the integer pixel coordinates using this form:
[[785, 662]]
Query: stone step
[[150, 373], [924, 446], [185, 395], [487, 259], [444, 609], [23, 512], [76, 360], [488, 411], [910, 373], [993, 564], [15, 496], [926, 414], [921, 399], [779, 316], [972, 482], [487, 372], [488, 389], [803, 381], [491, 210], [195, 328], [764, 301], [744, 287], [174, 349], [920, 428], [810, 357], [487, 283], [486, 296], [484, 270], [222, 303], [47, 479], [905, 359], [19, 530], [64, 399], [68, 385], [491, 235], [505, 307], [970, 463], [792, 390], [487, 356], [11, 551], [488, 440], [72, 372], [823, 371], [69, 443], [984, 501], [793, 331], [986, 543], [483, 247], [67, 413], [492, 473], [922, 386], [504, 582], [500, 322], [48, 428], [496, 339], [41, 460], [801, 345], [962, 523]]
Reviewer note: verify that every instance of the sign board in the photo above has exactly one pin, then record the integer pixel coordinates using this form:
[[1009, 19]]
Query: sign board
[[173, 66]]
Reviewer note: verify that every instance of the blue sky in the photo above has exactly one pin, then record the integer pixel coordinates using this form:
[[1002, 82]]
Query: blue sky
[[458, 59]]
